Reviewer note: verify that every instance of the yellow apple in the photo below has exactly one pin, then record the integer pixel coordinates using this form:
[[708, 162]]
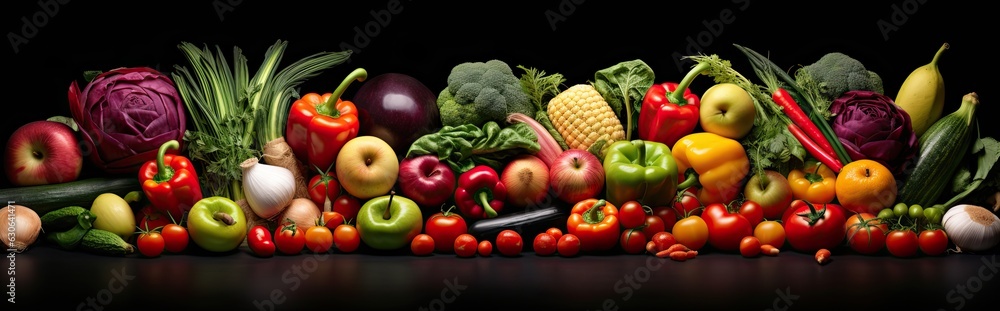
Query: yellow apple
[[367, 167], [727, 110]]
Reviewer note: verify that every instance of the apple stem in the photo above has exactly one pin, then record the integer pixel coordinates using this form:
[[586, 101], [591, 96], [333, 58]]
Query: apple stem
[[225, 218], [596, 213], [164, 172], [330, 106], [386, 215], [484, 200]]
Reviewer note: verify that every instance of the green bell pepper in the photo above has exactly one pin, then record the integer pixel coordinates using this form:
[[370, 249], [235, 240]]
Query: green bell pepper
[[640, 170]]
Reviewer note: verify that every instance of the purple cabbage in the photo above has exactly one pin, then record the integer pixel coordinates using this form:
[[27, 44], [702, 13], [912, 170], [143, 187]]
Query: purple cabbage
[[124, 115], [871, 126]]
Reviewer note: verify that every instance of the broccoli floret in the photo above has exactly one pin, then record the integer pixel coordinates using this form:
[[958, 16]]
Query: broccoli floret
[[479, 92], [836, 73]]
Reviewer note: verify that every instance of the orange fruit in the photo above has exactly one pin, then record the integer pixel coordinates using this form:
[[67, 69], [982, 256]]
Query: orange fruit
[[865, 186]]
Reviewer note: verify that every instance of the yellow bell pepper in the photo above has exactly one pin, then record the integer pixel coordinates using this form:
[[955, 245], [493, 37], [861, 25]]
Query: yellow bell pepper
[[813, 183], [719, 165]]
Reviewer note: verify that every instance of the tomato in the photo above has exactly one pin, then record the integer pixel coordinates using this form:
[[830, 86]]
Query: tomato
[[333, 219], [725, 228], [289, 239], [633, 241], [544, 244], [933, 242], [692, 231], [902, 243], [653, 224], [865, 233], [687, 203], [663, 240], [509, 243], [555, 232], [668, 215], [466, 245], [149, 218], [259, 240], [485, 248], [900, 209], [347, 205], [346, 238], [631, 214], [422, 245], [916, 211], [770, 232], [319, 239], [324, 189], [886, 214], [752, 211], [934, 214], [750, 246], [150, 244], [568, 245], [175, 237], [815, 226], [444, 227]]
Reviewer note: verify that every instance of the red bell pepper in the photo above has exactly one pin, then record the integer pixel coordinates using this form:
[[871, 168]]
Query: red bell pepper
[[480, 193], [170, 182], [319, 125], [595, 222], [669, 110]]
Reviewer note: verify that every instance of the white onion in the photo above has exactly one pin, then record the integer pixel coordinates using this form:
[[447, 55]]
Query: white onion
[[20, 227], [972, 227], [268, 188], [304, 212]]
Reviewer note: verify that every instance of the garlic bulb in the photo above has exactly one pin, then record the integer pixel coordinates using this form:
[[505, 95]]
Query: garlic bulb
[[268, 188], [972, 227]]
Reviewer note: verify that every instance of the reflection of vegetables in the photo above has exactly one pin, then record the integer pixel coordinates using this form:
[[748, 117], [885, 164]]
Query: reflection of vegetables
[[465, 146], [584, 118], [871, 126], [479, 92], [941, 150], [623, 87], [836, 73]]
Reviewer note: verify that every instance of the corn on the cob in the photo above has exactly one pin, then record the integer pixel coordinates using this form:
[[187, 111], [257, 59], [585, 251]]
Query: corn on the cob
[[583, 117]]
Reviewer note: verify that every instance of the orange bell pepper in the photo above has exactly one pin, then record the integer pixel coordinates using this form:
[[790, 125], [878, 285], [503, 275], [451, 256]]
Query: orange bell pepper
[[814, 183], [595, 222]]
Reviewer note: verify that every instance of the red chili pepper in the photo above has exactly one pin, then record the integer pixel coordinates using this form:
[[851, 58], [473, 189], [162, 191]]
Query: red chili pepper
[[170, 182], [795, 113], [319, 125], [815, 150], [480, 193], [669, 110]]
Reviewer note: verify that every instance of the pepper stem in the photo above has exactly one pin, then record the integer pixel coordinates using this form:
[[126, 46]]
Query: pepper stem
[[484, 201], [690, 179], [164, 172], [677, 96], [330, 106], [386, 215], [641, 146], [596, 213]]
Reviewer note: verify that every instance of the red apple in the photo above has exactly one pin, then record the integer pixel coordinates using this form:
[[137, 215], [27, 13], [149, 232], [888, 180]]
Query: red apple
[[576, 175], [773, 193], [426, 180], [42, 152], [527, 180]]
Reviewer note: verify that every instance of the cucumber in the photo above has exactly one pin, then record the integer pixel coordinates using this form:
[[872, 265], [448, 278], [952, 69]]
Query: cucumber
[[61, 219], [942, 148], [70, 238], [46, 198], [526, 223], [103, 242]]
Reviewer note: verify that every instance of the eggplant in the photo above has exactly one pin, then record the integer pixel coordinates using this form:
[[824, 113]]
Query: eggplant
[[528, 223]]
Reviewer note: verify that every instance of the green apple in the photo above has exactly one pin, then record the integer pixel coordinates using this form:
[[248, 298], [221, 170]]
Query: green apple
[[389, 222], [727, 110], [217, 224]]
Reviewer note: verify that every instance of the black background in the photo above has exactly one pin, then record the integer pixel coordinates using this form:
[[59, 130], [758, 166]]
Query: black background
[[426, 39]]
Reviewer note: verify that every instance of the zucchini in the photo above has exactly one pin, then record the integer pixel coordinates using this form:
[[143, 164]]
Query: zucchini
[[526, 223], [46, 198], [61, 219], [942, 148], [103, 242]]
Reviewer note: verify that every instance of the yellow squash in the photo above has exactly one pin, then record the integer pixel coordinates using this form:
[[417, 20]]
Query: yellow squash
[[922, 94]]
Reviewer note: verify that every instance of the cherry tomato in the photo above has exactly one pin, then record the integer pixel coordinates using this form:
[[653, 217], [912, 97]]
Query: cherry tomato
[[663, 240], [466, 245], [324, 189], [691, 231], [770, 232], [150, 244], [555, 232], [348, 206], [653, 225], [289, 238], [886, 214], [260, 242], [631, 214], [444, 227], [319, 239], [916, 211], [346, 238], [900, 209], [687, 203], [485, 248], [933, 242], [509, 243], [934, 214], [668, 215], [333, 219], [902, 243], [750, 246], [544, 244], [568, 245], [752, 211], [422, 245], [175, 237], [865, 233], [633, 241]]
